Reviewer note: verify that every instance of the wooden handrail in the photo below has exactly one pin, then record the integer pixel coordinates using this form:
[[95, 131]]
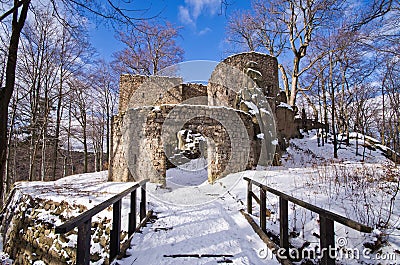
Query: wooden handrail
[[76, 221], [83, 222], [328, 214], [327, 218]]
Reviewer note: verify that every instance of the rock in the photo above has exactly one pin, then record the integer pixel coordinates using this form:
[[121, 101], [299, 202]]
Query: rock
[[103, 242], [95, 257]]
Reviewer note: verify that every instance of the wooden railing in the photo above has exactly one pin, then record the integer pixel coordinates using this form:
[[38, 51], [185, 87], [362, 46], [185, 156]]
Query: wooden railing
[[327, 218], [84, 223]]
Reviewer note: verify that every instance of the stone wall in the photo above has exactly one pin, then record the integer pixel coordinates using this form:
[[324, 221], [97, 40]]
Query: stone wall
[[197, 92], [138, 91], [128, 84], [118, 166], [151, 134], [28, 230], [222, 90]]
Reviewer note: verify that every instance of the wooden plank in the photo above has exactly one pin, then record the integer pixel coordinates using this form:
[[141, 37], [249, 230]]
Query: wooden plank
[[270, 244], [127, 243], [263, 210], [327, 240], [255, 197], [284, 224], [332, 216], [74, 222], [249, 198], [116, 230], [143, 202], [83, 246], [132, 214]]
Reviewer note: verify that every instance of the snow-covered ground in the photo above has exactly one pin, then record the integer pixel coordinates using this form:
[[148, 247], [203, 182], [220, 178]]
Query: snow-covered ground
[[196, 218], [214, 228], [205, 219]]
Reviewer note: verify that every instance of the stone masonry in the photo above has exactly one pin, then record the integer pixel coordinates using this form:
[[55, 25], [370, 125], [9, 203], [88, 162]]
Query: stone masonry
[[144, 133], [151, 133]]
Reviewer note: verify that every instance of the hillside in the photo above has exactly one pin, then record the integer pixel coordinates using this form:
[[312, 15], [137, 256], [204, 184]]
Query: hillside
[[195, 217]]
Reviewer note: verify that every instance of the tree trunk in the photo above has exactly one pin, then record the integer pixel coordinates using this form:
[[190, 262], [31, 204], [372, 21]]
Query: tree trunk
[[8, 178], [285, 82], [383, 113], [43, 160], [58, 123], [85, 146], [69, 137], [108, 117], [7, 91], [335, 147], [325, 107], [295, 81]]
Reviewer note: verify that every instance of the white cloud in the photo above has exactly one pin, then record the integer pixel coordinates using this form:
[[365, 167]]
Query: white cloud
[[192, 9], [204, 31], [184, 16]]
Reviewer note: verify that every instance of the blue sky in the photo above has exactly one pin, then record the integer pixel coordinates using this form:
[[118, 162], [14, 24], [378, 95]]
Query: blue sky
[[202, 21]]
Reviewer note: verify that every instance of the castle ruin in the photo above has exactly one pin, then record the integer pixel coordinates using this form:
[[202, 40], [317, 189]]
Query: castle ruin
[[148, 132]]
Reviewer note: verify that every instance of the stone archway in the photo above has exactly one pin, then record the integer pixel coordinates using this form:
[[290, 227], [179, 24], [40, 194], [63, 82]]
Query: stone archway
[[150, 130]]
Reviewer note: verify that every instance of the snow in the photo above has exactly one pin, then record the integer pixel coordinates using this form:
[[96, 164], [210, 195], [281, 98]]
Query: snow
[[5, 259], [201, 220], [253, 109], [265, 111], [208, 229], [305, 152], [255, 72], [86, 190], [285, 105], [195, 217], [197, 168], [204, 219]]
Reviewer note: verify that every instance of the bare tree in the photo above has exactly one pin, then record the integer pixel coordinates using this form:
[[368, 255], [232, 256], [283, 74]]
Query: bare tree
[[80, 96], [73, 48], [18, 11], [288, 25], [150, 47], [242, 29], [37, 74], [106, 88]]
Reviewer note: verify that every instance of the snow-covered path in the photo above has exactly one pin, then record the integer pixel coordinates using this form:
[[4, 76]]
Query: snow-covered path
[[216, 228]]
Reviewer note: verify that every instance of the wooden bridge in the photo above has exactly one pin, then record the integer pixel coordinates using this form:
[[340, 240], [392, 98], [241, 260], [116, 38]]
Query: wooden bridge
[[327, 219], [83, 222]]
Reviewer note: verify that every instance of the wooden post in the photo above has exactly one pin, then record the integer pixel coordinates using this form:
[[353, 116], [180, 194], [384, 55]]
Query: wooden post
[[143, 202], [83, 248], [327, 240], [284, 224], [263, 210], [116, 231], [132, 214], [249, 197]]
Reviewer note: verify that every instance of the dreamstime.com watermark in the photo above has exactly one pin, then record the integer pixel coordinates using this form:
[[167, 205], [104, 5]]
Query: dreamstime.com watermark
[[339, 252]]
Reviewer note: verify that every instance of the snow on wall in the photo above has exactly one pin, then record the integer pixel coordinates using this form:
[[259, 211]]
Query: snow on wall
[[35, 208]]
